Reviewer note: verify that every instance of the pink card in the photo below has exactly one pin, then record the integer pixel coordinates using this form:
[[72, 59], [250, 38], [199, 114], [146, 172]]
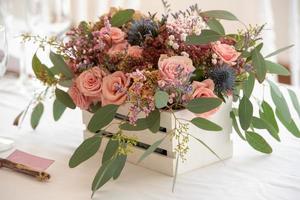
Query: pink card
[[35, 162]]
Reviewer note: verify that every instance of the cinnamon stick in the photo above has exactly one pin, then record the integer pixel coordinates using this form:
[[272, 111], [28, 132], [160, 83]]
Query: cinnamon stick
[[41, 176]]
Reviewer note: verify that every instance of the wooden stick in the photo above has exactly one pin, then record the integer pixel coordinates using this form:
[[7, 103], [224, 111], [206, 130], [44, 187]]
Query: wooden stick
[[41, 176]]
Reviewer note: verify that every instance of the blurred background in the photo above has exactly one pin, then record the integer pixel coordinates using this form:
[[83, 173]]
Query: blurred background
[[54, 17]]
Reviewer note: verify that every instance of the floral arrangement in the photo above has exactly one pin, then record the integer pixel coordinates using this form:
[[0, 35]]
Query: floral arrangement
[[182, 60]]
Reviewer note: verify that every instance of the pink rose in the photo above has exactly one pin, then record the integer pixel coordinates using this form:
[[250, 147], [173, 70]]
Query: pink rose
[[78, 98], [113, 35], [118, 48], [135, 51], [227, 53], [175, 67], [204, 89], [114, 89], [89, 82]]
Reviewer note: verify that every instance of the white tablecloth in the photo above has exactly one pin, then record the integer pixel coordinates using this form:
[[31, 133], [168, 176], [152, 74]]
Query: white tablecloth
[[248, 175]]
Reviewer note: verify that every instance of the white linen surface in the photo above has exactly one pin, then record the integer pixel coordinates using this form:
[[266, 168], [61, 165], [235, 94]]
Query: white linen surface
[[248, 175]]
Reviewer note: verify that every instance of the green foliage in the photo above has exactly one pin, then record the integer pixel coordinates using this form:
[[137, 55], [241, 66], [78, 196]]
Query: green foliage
[[248, 85], [216, 26], [42, 72], [236, 126], [110, 150], [259, 65], [268, 115], [219, 14], [36, 115], [275, 68], [161, 99], [141, 124], [291, 126], [102, 117], [278, 51], [294, 101], [202, 105], [60, 65], [258, 142], [58, 109], [64, 98], [110, 169], [245, 113], [205, 37], [206, 124], [17, 119], [152, 122], [151, 149], [87, 149], [280, 102], [122, 17]]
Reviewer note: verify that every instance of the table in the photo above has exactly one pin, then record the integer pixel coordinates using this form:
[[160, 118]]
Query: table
[[248, 175]]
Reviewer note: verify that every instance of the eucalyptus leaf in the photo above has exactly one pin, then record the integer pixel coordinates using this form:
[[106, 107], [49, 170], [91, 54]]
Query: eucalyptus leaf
[[141, 124], [66, 83], [258, 142], [64, 98], [295, 101], [153, 121], [161, 99], [203, 104], [110, 150], [275, 68], [60, 65], [235, 126], [205, 124], [17, 119], [258, 123], [104, 174], [58, 109], [121, 17], [259, 65], [205, 37], [151, 149], [216, 26], [245, 112], [280, 101], [120, 163], [278, 51], [41, 71], [268, 115], [291, 126], [102, 117], [248, 85], [206, 146], [86, 149], [219, 14], [36, 115]]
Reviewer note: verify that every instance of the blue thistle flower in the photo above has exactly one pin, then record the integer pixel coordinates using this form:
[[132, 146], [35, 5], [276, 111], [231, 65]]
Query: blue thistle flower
[[140, 29], [223, 77]]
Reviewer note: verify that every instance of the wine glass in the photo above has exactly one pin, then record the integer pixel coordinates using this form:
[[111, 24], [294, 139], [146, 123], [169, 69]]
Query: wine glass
[[5, 143]]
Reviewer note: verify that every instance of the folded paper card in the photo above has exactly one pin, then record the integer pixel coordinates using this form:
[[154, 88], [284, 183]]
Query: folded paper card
[[35, 162]]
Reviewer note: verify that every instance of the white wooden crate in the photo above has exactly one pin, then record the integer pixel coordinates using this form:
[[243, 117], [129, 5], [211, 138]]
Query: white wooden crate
[[165, 161]]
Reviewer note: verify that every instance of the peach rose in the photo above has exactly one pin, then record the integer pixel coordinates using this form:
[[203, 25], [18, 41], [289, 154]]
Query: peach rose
[[204, 89], [113, 35], [135, 51], [173, 68], [78, 98], [114, 88], [89, 82], [227, 53], [118, 48]]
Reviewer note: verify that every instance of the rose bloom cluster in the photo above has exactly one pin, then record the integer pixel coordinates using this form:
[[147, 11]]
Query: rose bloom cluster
[[118, 65]]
